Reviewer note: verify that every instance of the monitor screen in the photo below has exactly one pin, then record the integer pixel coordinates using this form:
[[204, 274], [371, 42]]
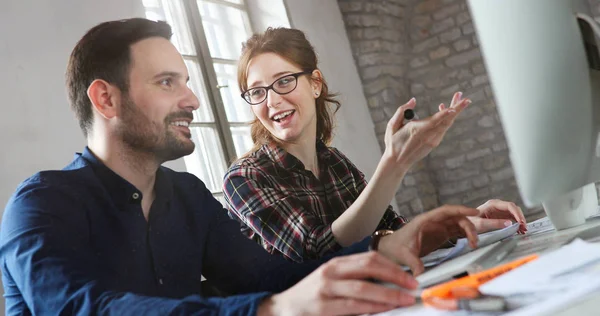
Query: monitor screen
[[543, 63]]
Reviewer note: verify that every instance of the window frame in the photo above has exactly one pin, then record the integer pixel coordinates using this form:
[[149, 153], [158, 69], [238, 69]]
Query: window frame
[[210, 83], [208, 72]]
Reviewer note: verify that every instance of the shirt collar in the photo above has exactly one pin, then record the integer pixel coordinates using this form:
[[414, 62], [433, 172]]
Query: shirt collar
[[323, 151], [288, 161], [120, 189]]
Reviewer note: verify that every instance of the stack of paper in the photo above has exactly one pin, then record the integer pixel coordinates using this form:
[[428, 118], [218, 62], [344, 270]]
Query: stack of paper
[[539, 226], [545, 286], [555, 279]]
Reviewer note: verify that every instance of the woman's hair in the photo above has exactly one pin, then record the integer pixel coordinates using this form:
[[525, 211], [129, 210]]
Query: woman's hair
[[291, 45]]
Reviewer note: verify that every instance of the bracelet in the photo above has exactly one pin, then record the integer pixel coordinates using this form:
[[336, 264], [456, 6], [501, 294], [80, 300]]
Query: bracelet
[[376, 237]]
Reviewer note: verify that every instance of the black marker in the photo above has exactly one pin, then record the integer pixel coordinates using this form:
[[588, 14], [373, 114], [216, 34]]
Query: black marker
[[409, 115]]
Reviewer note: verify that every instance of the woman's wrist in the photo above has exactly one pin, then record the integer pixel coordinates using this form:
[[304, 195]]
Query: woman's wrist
[[390, 165]]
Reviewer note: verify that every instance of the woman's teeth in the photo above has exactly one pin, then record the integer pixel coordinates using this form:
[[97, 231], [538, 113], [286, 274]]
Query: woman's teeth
[[278, 117]]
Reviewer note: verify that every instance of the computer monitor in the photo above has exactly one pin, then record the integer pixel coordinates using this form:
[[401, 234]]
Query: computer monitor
[[543, 63]]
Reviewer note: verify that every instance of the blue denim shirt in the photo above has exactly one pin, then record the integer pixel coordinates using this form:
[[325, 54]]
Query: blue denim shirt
[[76, 242]]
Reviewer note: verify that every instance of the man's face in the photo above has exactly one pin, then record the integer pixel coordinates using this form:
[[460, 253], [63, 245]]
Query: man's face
[[156, 112]]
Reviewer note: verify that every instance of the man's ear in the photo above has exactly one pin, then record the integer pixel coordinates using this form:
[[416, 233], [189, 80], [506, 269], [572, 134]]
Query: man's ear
[[104, 98]]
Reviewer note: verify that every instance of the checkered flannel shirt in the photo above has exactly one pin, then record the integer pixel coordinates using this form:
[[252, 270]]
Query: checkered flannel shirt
[[289, 211]]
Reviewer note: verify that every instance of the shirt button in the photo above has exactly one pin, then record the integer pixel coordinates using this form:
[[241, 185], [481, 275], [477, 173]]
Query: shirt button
[[160, 280], [135, 196]]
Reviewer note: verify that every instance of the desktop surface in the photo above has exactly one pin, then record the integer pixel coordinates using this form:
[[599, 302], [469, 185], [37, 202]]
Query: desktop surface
[[541, 241]]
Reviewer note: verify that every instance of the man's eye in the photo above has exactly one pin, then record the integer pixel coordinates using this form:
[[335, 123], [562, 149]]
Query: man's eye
[[166, 82]]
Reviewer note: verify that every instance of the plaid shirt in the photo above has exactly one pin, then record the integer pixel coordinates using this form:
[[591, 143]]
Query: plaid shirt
[[286, 209]]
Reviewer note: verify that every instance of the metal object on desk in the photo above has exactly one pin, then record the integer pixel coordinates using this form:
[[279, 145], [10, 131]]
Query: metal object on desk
[[541, 243], [494, 256], [590, 234]]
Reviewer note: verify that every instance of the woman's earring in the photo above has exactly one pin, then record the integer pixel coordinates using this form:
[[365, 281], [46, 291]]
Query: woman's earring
[[316, 94]]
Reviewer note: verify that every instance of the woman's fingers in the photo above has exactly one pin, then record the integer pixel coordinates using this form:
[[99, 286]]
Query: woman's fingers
[[456, 99], [395, 123], [468, 228]]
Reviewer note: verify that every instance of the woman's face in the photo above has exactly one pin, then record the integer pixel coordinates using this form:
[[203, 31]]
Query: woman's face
[[288, 116]]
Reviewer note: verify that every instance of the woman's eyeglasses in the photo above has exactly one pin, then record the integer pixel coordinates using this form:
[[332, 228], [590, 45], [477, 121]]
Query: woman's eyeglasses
[[283, 85]]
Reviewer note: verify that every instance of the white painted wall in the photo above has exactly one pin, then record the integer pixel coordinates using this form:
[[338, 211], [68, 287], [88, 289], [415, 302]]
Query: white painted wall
[[265, 13], [37, 128]]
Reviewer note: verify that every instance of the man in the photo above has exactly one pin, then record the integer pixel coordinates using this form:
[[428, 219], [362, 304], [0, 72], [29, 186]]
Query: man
[[116, 233]]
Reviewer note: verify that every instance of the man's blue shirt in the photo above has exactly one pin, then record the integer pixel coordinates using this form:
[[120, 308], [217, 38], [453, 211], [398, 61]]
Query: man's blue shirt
[[76, 242]]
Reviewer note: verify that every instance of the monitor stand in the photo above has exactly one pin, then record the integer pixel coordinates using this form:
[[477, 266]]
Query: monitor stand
[[572, 208]]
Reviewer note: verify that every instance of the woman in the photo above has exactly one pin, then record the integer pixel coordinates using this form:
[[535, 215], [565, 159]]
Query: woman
[[295, 195]]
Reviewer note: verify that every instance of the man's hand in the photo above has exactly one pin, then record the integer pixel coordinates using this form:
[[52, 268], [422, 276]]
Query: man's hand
[[428, 232], [498, 214], [340, 287]]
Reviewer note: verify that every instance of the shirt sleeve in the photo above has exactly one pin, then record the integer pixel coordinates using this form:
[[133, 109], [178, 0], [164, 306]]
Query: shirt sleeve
[[49, 267], [279, 219], [239, 265], [391, 219]]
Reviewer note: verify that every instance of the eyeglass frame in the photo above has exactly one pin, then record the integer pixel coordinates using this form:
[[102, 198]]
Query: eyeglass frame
[[270, 87]]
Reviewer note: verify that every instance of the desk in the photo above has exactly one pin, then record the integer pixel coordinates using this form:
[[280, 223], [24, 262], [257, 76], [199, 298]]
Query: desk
[[528, 244], [551, 240], [547, 241], [589, 306]]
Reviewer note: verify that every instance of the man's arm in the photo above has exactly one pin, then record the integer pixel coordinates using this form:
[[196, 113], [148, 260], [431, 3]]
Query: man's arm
[[237, 264], [45, 251]]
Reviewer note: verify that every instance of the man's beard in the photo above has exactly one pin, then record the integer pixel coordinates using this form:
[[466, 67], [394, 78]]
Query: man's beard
[[141, 134]]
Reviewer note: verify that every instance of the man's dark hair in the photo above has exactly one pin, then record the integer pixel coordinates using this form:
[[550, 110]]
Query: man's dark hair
[[104, 52]]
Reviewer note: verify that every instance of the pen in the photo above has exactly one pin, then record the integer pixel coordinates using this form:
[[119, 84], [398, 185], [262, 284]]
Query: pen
[[409, 115]]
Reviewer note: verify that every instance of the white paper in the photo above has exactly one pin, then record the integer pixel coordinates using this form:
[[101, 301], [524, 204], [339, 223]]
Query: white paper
[[450, 268], [541, 225], [421, 310], [558, 270], [462, 245], [542, 287]]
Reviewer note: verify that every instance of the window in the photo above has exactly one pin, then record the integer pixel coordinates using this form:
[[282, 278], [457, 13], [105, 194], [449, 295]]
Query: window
[[209, 35]]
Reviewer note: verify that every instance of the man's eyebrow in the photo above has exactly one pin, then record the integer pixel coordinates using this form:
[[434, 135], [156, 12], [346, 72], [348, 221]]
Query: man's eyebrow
[[169, 74]]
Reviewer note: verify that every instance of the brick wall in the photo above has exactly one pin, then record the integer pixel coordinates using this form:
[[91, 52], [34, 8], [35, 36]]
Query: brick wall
[[428, 49], [595, 4]]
